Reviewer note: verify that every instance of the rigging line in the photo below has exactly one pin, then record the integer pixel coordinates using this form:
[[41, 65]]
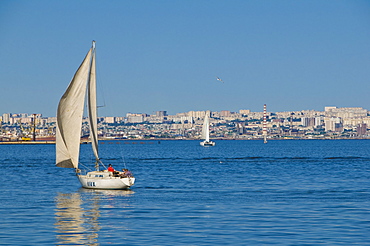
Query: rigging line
[[99, 84], [86, 167], [122, 156], [109, 109], [102, 164], [120, 147], [101, 87]]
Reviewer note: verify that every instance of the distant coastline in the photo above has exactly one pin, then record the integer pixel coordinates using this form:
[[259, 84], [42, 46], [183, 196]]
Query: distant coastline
[[169, 139], [332, 123]]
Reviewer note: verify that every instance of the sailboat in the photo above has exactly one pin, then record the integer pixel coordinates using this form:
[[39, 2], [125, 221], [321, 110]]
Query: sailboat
[[205, 133], [69, 123]]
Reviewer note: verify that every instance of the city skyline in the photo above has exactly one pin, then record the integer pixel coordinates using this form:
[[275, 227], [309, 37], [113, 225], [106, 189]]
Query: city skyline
[[332, 123], [290, 55], [162, 113]]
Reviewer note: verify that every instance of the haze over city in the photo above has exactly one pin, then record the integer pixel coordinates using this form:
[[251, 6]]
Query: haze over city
[[167, 55]]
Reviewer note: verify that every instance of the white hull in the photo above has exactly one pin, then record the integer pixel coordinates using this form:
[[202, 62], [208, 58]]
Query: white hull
[[105, 180], [207, 143]]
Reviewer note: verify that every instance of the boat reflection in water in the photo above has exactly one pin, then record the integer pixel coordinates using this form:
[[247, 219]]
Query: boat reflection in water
[[77, 215]]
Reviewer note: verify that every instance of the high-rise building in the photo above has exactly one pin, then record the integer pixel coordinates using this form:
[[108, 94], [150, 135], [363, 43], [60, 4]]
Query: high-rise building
[[305, 121], [110, 120], [196, 114], [161, 113], [333, 124], [6, 118], [348, 112], [225, 113], [244, 111], [240, 127], [135, 118], [318, 121], [361, 129]]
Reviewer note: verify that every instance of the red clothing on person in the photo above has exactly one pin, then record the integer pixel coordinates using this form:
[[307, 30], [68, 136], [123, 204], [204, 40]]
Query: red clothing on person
[[110, 169]]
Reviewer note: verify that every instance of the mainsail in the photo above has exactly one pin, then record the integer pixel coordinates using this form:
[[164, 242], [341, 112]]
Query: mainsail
[[205, 129], [70, 114]]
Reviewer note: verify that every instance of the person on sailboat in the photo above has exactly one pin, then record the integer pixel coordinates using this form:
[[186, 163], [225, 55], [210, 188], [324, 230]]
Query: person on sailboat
[[126, 173], [110, 168]]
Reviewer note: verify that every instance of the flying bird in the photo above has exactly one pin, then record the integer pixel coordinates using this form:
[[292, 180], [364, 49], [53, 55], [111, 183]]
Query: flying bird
[[219, 79]]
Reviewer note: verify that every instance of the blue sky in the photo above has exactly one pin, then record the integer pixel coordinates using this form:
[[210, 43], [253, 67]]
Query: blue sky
[[166, 54]]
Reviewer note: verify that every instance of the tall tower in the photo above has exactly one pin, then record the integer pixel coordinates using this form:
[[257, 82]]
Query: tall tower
[[264, 130]]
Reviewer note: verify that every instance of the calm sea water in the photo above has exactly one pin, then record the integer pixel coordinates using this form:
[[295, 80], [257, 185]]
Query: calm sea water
[[293, 192]]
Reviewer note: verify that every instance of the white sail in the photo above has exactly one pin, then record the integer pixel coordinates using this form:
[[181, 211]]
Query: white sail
[[92, 107], [69, 117], [205, 129]]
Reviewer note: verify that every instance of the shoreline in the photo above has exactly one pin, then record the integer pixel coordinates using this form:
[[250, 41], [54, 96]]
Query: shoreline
[[172, 139]]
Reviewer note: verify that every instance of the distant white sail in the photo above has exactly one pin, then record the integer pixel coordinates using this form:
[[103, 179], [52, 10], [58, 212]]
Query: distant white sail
[[205, 129], [69, 117]]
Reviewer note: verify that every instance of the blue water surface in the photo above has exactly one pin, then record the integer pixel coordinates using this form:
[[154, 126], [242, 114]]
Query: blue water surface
[[290, 192]]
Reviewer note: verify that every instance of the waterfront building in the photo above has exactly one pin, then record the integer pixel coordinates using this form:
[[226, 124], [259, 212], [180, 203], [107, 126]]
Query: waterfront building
[[361, 129], [333, 124]]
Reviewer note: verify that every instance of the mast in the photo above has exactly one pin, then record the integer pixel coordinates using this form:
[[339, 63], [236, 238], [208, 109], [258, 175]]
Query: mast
[[92, 107], [264, 131]]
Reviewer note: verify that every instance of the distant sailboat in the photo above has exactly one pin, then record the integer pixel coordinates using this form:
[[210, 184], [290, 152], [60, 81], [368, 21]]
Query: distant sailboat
[[69, 123], [205, 133]]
